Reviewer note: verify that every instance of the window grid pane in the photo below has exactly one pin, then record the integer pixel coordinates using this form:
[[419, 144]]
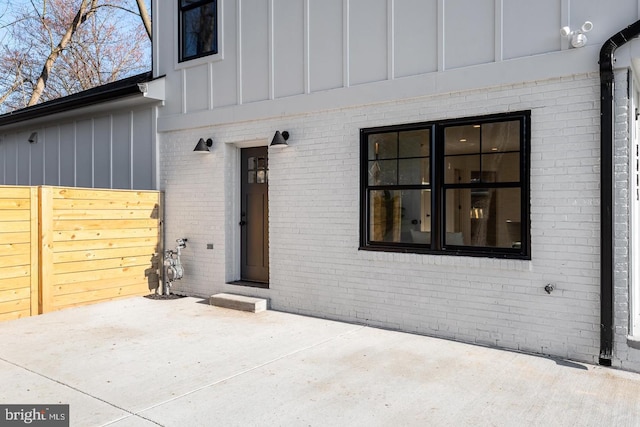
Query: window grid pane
[[482, 187], [199, 33]]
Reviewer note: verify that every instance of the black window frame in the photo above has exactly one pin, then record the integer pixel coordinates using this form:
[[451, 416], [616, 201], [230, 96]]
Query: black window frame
[[182, 9], [438, 187]]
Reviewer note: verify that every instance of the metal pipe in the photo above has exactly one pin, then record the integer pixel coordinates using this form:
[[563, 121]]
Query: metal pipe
[[607, 87]]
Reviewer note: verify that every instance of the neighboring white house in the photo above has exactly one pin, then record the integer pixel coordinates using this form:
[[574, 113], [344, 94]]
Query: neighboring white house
[[100, 138], [443, 172]]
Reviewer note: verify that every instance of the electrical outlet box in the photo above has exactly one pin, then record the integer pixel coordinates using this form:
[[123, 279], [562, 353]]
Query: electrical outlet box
[[209, 245]]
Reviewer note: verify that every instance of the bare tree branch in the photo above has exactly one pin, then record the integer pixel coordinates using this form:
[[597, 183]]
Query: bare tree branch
[[60, 47], [144, 15], [84, 12]]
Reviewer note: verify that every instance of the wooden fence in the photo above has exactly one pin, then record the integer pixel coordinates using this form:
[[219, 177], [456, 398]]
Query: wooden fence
[[92, 245], [18, 252]]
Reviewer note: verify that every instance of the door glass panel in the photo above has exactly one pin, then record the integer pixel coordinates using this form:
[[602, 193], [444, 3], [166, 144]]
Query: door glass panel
[[261, 177], [251, 163], [251, 178]]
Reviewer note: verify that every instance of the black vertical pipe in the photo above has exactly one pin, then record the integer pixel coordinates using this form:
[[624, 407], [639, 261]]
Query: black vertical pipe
[[607, 87]]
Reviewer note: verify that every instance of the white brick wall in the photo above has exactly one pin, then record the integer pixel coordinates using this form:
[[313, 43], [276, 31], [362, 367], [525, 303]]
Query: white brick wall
[[624, 356], [316, 267]]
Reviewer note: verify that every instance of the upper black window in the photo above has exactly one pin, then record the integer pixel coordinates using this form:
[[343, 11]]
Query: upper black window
[[455, 186], [198, 20]]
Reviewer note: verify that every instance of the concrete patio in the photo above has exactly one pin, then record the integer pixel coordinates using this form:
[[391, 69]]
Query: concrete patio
[[182, 362]]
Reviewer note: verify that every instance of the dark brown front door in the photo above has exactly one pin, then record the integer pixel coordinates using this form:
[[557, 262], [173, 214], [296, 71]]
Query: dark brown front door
[[254, 211]]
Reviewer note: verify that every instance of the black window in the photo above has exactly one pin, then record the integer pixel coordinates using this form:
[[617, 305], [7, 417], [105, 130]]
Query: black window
[[198, 23], [454, 187]]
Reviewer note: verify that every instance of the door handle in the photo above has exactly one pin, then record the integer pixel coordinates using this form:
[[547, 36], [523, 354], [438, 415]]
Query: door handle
[[241, 223]]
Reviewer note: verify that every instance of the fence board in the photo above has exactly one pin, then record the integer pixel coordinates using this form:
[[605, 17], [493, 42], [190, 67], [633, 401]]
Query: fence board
[[91, 253], [7, 249], [93, 296], [94, 285], [14, 283], [16, 260], [15, 226], [18, 252], [12, 315], [101, 204], [14, 192], [139, 271], [61, 225], [146, 239], [22, 204]]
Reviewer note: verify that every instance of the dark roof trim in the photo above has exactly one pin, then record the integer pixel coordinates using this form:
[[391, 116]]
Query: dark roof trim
[[107, 92]]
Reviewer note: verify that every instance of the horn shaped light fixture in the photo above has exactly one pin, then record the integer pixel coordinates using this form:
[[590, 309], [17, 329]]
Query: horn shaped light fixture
[[280, 139], [203, 146], [33, 138]]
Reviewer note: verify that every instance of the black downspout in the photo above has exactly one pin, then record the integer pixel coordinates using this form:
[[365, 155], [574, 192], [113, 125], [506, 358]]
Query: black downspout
[[607, 85]]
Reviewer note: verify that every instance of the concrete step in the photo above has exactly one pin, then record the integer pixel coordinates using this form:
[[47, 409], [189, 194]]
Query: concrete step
[[238, 302]]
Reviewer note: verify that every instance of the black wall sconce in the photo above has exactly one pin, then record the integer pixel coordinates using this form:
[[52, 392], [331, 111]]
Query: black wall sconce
[[280, 139], [33, 138], [203, 146]]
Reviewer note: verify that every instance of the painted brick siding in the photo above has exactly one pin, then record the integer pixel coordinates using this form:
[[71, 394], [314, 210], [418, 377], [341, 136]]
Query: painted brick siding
[[315, 265], [625, 357]]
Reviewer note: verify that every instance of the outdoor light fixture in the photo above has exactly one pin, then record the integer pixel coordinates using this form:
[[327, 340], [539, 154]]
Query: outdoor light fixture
[[203, 146], [577, 38], [33, 138], [280, 139]]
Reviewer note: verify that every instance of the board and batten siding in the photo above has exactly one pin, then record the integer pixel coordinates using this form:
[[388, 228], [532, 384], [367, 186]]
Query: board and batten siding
[[114, 150], [285, 49]]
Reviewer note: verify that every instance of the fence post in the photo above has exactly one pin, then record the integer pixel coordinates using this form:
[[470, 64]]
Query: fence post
[[34, 240], [45, 232]]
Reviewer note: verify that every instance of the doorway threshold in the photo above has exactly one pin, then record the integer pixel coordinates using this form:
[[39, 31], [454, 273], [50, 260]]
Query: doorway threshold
[[250, 284]]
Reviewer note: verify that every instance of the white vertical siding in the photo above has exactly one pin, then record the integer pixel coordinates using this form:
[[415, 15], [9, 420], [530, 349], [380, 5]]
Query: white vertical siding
[[469, 33], [532, 26], [288, 47], [224, 73], [255, 50], [416, 37], [368, 47], [325, 44], [284, 49]]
